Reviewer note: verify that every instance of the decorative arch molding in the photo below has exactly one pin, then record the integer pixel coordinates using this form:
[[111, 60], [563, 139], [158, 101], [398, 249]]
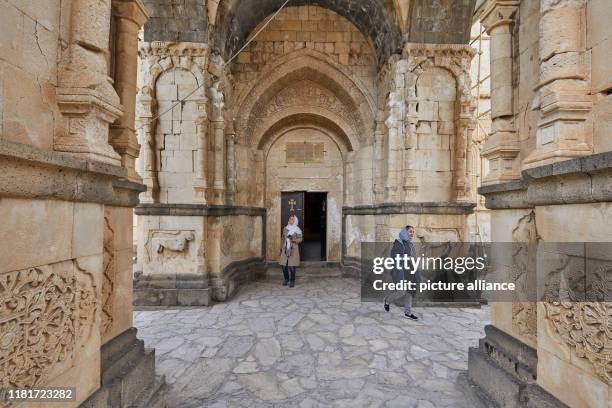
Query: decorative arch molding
[[340, 96], [322, 124], [159, 57], [378, 20], [455, 58]]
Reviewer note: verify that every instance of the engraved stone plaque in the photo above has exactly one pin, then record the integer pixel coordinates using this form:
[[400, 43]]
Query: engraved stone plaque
[[305, 152]]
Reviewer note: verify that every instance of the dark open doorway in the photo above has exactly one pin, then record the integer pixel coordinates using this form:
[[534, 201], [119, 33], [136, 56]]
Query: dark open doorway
[[311, 208]]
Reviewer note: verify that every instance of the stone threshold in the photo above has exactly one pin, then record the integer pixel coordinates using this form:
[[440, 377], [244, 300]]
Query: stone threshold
[[33, 173], [581, 180]]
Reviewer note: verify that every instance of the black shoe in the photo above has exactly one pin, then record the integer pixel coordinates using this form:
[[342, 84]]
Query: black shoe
[[386, 307], [411, 316], [291, 284], [285, 283]]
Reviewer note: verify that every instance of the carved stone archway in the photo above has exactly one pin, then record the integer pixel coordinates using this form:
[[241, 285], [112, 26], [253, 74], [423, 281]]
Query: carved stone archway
[[305, 75]]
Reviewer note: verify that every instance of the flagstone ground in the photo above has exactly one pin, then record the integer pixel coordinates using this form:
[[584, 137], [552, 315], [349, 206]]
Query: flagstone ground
[[315, 345]]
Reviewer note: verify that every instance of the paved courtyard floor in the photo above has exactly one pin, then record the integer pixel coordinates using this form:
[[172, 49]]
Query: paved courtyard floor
[[315, 345]]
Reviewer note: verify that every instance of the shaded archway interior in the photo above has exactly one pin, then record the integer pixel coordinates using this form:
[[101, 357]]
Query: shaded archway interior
[[376, 19], [306, 120]]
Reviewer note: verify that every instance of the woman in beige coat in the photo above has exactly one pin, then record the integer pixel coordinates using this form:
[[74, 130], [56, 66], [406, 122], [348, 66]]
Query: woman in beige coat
[[290, 252]]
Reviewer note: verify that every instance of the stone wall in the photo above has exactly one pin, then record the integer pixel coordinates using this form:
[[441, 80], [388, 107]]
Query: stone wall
[[176, 20], [29, 56], [396, 135], [67, 189], [549, 159], [309, 27]]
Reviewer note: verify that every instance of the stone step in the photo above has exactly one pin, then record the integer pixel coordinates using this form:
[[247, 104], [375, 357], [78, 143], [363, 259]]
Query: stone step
[[133, 381], [306, 270], [113, 350], [153, 396], [115, 366]]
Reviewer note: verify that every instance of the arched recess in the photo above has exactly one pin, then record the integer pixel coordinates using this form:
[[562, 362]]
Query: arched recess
[[378, 20], [453, 63], [325, 173], [302, 77], [157, 59]]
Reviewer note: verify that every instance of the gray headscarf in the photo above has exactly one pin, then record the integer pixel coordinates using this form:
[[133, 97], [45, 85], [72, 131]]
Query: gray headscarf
[[405, 238]]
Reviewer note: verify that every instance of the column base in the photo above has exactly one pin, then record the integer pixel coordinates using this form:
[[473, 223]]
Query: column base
[[503, 370], [128, 375]]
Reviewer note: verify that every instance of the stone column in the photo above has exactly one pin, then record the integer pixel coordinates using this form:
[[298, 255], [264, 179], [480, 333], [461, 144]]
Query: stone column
[[146, 109], [230, 137], [395, 124], [502, 146], [565, 103], [465, 126], [410, 139], [218, 135], [85, 94], [200, 182], [129, 15], [379, 140]]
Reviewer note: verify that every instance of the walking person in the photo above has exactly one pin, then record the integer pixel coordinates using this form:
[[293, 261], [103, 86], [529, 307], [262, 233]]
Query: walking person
[[290, 252], [404, 246]]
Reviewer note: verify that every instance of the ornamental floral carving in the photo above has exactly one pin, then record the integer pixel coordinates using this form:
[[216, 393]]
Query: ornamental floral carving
[[300, 94], [586, 327], [46, 314]]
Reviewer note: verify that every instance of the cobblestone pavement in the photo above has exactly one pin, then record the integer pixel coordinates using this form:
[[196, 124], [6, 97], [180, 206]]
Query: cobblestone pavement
[[315, 345]]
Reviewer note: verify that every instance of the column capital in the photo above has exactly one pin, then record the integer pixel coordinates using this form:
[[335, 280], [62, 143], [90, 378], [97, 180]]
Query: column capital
[[499, 13], [133, 10]]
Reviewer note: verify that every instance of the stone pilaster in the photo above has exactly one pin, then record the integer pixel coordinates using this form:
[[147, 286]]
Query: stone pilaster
[[146, 109], [200, 182], [217, 123], [564, 130], [395, 112], [379, 141], [502, 146], [85, 94], [129, 16], [230, 137]]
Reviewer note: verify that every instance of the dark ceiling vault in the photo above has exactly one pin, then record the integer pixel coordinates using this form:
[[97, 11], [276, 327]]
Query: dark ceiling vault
[[378, 23], [430, 21]]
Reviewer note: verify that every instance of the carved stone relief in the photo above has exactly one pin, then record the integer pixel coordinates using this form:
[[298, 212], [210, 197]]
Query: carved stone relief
[[46, 314], [583, 326], [524, 314], [169, 244], [108, 277]]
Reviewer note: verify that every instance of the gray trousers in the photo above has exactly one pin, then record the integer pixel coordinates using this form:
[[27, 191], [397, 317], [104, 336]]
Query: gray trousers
[[397, 294]]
